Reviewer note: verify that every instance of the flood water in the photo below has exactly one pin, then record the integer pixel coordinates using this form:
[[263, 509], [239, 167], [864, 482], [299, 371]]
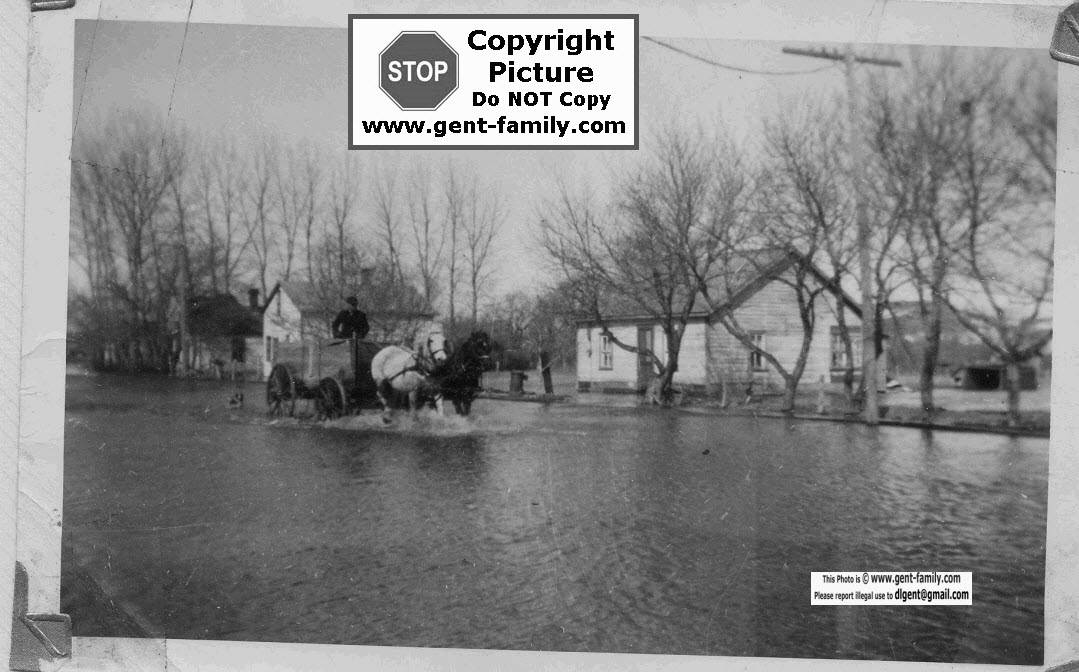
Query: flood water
[[555, 528]]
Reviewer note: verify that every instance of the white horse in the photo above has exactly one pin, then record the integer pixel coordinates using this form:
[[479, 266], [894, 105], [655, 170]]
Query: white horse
[[396, 369]]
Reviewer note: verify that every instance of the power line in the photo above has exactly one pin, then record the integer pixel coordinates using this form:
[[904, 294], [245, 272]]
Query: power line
[[835, 55], [735, 68]]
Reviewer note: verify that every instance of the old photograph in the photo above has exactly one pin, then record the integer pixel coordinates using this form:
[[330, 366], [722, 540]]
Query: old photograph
[[619, 401]]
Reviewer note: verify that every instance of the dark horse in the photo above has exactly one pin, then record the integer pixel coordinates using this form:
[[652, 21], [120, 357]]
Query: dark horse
[[458, 378]]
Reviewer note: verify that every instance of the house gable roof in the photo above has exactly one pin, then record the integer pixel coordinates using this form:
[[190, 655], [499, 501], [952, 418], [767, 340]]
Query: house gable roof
[[310, 301], [768, 273], [304, 295], [768, 266], [222, 315]]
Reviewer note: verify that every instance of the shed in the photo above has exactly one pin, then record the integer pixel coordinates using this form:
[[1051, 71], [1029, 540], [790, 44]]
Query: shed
[[988, 376], [224, 333]]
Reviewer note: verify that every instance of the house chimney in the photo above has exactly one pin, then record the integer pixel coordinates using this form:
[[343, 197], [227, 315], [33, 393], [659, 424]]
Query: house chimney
[[253, 298]]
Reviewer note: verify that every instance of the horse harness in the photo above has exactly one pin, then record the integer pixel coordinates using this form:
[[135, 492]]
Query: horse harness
[[419, 365]]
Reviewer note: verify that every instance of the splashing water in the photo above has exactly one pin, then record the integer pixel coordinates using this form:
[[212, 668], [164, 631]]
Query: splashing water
[[425, 422]]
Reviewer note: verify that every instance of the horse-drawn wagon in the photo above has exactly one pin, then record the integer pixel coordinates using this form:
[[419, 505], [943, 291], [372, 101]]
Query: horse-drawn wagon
[[342, 376], [334, 374]]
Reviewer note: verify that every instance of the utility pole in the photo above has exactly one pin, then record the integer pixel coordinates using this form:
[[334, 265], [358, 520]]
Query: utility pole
[[870, 411]]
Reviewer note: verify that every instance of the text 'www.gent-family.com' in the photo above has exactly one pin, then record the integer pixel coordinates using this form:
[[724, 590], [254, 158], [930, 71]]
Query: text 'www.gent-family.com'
[[493, 81], [892, 588]]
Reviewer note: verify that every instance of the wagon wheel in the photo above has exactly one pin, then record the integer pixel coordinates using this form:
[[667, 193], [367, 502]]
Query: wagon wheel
[[281, 391], [331, 400]]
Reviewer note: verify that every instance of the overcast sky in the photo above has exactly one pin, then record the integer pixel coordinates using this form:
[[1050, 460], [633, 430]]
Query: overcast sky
[[247, 81]]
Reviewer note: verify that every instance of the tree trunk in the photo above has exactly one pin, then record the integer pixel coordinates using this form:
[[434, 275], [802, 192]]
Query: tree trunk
[[790, 390], [929, 360], [665, 386], [475, 299], [932, 335], [1011, 374]]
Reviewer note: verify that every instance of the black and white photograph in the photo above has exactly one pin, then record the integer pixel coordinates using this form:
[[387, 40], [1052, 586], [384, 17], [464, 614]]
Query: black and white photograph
[[572, 400]]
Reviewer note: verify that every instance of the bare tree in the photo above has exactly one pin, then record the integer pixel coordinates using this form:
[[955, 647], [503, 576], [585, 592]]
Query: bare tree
[[93, 314], [92, 240], [308, 206], [473, 216], [1004, 290], [344, 187], [396, 310], [288, 176], [256, 210], [553, 324], [130, 169], [809, 198], [482, 222], [511, 319], [1031, 114], [653, 259], [220, 189], [428, 237], [180, 200], [456, 189], [388, 215], [183, 246], [920, 132]]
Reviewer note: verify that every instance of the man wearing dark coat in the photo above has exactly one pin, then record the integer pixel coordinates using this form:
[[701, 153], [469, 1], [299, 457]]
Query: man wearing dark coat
[[351, 321]]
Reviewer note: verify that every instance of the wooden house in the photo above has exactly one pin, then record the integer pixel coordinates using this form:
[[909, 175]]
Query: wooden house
[[710, 356]]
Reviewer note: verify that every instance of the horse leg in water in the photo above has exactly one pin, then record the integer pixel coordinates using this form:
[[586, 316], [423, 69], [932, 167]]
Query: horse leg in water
[[385, 395], [413, 400]]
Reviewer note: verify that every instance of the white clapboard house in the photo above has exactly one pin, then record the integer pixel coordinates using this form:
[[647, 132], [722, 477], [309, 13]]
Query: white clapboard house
[[710, 356]]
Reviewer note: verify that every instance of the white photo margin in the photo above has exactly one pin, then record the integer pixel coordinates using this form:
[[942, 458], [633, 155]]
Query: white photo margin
[[34, 529]]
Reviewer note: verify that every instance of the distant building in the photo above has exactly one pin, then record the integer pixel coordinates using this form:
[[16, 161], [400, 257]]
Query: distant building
[[710, 356], [960, 348], [225, 335]]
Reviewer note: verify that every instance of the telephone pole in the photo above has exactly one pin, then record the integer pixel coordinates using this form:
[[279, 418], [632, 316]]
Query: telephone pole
[[870, 411]]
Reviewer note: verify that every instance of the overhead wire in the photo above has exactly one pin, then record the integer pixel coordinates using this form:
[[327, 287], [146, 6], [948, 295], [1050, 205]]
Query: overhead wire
[[734, 68]]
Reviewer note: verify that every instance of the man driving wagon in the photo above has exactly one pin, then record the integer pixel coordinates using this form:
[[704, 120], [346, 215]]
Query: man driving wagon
[[351, 322]]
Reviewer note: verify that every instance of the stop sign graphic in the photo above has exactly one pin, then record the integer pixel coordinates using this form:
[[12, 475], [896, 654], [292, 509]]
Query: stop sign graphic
[[418, 70]]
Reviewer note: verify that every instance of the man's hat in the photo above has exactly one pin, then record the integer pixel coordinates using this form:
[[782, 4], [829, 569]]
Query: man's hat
[[352, 301]]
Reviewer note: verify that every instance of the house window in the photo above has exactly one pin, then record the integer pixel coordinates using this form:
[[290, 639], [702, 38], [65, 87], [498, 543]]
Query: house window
[[839, 350], [756, 360], [606, 352]]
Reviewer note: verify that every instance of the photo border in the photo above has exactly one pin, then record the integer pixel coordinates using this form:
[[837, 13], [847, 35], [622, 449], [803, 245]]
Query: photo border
[[40, 450]]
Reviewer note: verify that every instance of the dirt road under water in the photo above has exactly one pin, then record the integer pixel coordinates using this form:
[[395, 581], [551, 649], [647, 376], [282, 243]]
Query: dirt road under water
[[532, 527]]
